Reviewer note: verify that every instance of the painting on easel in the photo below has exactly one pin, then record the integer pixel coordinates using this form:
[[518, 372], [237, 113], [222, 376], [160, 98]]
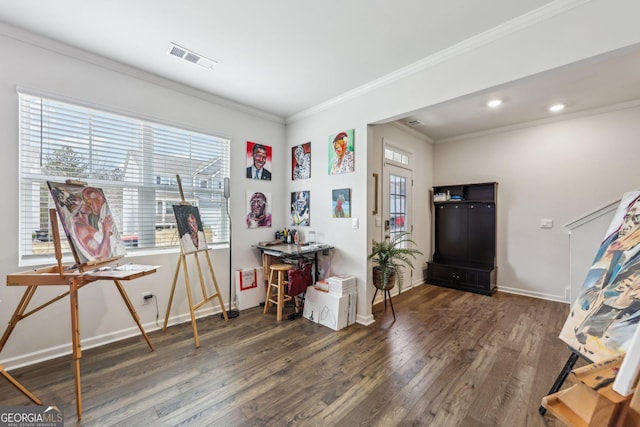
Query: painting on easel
[[605, 315], [192, 238], [88, 223]]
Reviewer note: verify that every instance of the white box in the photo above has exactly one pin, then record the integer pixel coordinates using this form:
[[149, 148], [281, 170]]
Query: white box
[[250, 290], [342, 284], [329, 310]]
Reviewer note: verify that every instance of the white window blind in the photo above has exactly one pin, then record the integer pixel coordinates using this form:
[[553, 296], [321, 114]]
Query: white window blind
[[134, 161]]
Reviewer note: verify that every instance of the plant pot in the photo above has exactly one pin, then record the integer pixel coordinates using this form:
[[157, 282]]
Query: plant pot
[[377, 279]]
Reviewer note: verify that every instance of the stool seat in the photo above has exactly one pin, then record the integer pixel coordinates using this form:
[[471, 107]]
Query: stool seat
[[276, 289]]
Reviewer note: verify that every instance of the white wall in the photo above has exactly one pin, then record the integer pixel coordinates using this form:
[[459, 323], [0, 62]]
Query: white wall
[[578, 31], [559, 171], [421, 149], [95, 81]]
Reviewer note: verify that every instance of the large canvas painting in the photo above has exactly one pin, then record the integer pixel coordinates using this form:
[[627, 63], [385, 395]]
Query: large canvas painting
[[192, 238], [605, 315], [88, 223]]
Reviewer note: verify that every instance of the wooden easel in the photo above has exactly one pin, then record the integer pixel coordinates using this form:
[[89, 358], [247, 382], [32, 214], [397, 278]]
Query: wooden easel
[[182, 260], [19, 386], [74, 278]]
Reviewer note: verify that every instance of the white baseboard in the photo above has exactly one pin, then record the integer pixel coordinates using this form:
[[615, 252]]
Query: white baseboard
[[100, 340]]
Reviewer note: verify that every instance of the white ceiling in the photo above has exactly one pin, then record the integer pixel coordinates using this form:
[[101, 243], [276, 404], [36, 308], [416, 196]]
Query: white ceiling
[[288, 56]]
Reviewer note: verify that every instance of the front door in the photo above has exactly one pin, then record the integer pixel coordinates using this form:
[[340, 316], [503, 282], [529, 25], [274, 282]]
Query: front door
[[397, 199]]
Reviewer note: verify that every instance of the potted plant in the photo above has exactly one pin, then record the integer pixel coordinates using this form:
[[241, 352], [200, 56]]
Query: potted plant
[[389, 256]]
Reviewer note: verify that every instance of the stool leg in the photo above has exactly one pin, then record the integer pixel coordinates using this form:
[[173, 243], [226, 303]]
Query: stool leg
[[280, 293], [267, 303]]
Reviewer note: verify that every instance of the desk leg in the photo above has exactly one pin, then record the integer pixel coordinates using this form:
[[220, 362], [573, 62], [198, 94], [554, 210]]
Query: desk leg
[[75, 338], [135, 316]]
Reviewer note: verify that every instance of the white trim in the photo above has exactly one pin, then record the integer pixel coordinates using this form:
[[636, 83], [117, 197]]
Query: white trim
[[539, 295]]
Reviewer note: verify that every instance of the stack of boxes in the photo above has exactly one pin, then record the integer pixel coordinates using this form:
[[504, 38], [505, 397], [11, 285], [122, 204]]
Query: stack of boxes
[[332, 302]]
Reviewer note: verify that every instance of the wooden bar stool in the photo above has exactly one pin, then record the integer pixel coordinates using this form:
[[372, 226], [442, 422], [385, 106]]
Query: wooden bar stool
[[276, 289]]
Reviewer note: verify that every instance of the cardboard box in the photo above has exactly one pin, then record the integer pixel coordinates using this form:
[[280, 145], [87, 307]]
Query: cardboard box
[[250, 290], [333, 311]]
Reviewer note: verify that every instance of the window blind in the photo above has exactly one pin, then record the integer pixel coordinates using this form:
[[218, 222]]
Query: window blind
[[135, 162]]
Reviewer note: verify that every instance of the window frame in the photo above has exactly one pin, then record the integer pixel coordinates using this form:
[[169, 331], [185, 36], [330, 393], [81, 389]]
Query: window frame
[[197, 185]]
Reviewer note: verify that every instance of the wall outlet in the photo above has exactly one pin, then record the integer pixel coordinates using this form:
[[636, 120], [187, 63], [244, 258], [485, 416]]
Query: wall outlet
[[146, 298]]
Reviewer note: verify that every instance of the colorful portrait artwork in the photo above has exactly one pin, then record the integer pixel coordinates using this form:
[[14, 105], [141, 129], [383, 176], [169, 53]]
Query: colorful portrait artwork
[[300, 211], [301, 161], [605, 315], [258, 209], [88, 223], [190, 230], [341, 203], [341, 152], [258, 161]]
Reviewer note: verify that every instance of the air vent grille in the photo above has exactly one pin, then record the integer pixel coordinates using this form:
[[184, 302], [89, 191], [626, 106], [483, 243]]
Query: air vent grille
[[190, 56]]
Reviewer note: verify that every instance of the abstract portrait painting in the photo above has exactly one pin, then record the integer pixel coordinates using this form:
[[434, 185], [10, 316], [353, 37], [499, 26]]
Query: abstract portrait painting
[[341, 203], [88, 223], [258, 209], [605, 315], [301, 161], [300, 205], [341, 152], [190, 229], [258, 161]]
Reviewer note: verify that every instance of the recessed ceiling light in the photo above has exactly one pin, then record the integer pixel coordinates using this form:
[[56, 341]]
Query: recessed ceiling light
[[494, 103], [556, 108]]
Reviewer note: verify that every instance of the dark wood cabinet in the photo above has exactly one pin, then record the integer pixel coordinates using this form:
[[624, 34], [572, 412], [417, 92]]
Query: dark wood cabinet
[[465, 238]]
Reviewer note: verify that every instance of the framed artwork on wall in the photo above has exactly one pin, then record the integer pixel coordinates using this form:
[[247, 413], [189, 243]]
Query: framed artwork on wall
[[258, 209], [300, 211], [258, 159], [301, 161], [341, 203], [341, 152]]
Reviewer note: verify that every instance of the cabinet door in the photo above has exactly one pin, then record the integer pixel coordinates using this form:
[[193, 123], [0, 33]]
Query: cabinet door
[[451, 231], [482, 232]]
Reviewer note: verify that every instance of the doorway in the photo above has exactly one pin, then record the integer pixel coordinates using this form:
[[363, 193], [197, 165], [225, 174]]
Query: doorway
[[397, 190]]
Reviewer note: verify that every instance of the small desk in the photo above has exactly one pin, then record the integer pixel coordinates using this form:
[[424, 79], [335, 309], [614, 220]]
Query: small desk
[[276, 252]]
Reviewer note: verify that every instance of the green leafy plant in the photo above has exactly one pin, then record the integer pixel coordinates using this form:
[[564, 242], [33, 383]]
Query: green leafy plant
[[389, 256]]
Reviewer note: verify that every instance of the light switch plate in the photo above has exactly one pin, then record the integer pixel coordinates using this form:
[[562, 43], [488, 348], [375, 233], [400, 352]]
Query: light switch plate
[[354, 222]]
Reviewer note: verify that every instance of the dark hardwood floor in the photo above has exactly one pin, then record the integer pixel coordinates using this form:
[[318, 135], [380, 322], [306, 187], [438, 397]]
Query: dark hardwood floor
[[451, 358]]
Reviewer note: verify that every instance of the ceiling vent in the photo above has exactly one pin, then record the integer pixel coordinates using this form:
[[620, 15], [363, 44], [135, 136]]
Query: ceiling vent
[[414, 122], [189, 56]]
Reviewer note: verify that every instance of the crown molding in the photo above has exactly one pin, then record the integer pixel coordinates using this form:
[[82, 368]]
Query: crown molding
[[517, 24], [46, 43]]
